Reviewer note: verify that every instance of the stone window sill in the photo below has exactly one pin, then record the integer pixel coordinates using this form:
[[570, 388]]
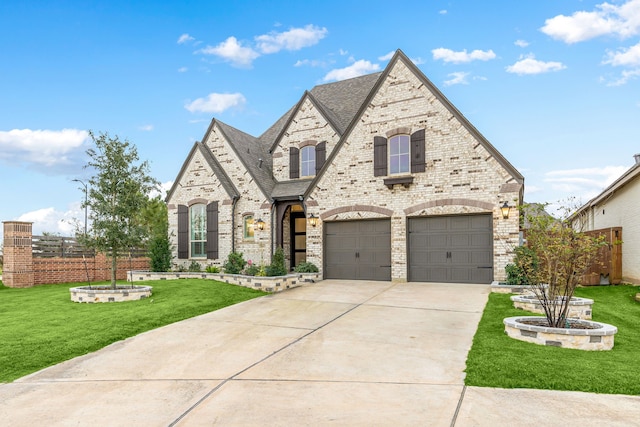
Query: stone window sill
[[405, 181]]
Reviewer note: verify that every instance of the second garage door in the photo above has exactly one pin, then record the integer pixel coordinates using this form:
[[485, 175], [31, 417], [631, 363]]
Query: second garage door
[[359, 250], [451, 249]]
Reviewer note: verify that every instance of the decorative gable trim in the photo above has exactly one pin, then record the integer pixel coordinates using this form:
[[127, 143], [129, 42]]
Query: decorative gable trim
[[400, 56], [215, 167]]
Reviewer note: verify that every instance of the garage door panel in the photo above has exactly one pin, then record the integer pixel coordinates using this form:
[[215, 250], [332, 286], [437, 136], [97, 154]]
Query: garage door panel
[[451, 249], [358, 250]]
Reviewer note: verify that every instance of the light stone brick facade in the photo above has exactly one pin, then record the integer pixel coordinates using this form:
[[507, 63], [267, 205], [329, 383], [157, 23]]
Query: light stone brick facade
[[460, 173], [463, 173]]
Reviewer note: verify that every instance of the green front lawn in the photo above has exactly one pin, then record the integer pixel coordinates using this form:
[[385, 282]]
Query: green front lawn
[[495, 360], [40, 326]]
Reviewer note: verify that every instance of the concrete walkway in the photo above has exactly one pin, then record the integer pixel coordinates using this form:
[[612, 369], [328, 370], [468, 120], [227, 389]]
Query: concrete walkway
[[336, 352]]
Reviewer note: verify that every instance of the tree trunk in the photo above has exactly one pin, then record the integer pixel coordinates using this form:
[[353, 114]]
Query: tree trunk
[[114, 266]]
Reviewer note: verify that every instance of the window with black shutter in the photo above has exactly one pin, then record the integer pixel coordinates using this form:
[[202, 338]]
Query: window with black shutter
[[183, 232], [212, 230], [399, 155], [294, 163], [417, 152], [379, 156], [321, 156]]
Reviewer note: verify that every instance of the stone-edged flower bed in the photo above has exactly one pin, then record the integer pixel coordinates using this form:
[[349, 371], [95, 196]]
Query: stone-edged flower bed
[[263, 283], [585, 335], [92, 294], [505, 288], [579, 308]]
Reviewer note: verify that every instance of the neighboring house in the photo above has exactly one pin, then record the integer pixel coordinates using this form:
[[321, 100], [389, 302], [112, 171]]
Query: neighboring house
[[618, 206], [378, 177]]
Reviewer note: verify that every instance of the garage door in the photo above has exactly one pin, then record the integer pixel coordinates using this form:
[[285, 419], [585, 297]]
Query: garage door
[[451, 249], [359, 250]]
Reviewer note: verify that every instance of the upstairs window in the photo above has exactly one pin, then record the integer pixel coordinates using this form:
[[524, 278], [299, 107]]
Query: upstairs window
[[399, 154], [308, 161], [198, 231]]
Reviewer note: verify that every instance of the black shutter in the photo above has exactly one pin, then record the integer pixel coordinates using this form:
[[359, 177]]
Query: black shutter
[[183, 232], [321, 156], [379, 156], [294, 163], [417, 152], [212, 230]]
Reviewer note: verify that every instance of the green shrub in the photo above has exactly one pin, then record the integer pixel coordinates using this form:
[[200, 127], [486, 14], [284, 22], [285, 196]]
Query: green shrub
[[195, 267], [252, 270], [306, 267], [235, 263], [277, 267], [160, 253], [524, 261], [212, 269]]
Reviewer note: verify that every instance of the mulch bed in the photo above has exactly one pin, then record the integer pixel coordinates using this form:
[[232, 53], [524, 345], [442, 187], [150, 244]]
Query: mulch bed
[[571, 324]]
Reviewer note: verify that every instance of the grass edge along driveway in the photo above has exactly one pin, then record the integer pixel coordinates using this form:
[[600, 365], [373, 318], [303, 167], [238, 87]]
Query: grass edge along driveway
[[42, 327], [495, 360]]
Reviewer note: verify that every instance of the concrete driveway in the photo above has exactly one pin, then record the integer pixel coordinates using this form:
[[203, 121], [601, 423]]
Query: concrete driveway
[[336, 352]]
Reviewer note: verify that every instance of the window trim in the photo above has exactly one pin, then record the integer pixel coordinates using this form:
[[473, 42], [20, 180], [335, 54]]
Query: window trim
[[248, 230], [203, 230], [400, 155], [311, 164]]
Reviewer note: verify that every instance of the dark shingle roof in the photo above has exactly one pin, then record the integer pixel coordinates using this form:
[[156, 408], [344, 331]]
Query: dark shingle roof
[[290, 189]]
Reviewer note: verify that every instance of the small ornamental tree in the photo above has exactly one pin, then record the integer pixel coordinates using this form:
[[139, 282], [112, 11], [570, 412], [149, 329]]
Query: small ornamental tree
[[557, 257], [117, 193], [154, 216]]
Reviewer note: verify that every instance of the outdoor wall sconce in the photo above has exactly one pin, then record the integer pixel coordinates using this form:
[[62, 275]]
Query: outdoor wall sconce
[[260, 224], [313, 220], [505, 210]]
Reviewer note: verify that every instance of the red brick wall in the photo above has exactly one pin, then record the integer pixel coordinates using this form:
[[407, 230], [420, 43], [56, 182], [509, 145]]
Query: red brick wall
[[64, 270], [22, 270]]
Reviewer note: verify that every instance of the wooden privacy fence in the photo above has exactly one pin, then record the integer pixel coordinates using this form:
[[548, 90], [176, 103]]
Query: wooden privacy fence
[[607, 269], [34, 260]]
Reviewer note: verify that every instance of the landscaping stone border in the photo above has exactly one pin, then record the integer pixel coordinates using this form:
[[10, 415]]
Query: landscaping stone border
[[504, 288], [92, 294], [579, 308], [601, 338], [267, 284]]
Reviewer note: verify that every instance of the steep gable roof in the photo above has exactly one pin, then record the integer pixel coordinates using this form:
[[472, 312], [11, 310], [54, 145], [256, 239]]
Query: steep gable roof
[[338, 102], [400, 56], [252, 153], [215, 166]]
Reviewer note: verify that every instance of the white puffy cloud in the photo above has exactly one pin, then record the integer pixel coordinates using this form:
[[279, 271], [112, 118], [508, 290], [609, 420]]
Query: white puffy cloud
[[309, 63], [185, 38], [624, 57], [183, 69], [448, 55], [146, 128], [50, 220], [386, 57], [608, 19], [42, 147], [294, 39], [625, 76], [232, 51], [587, 182], [216, 103], [529, 65], [356, 69], [521, 43], [457, 78]]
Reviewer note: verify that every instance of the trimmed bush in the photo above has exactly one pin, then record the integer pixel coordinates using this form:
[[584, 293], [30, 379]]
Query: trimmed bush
[[235, 263], [306, 267]]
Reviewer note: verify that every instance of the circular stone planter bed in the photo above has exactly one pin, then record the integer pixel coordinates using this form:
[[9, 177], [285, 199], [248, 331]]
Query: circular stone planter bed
[[108, 294], [505, 288], [583, 335], [579, 308]]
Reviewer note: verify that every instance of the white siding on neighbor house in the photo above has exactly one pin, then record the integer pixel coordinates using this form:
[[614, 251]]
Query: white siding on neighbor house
[[460, 172], [622, 209]]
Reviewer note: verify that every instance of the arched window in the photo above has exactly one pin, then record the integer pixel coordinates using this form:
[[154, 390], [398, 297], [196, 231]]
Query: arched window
[[308, 161], [399, 154], [198, 230]]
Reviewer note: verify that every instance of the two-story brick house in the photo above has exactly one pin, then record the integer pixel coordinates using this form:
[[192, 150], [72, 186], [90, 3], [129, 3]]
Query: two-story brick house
[[377, 177]]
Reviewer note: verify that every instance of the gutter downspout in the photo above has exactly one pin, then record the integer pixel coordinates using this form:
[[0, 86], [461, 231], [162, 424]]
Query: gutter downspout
[[273, 229], [234, 201]]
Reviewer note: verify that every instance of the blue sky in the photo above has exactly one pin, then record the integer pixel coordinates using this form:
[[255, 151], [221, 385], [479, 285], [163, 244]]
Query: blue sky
[[553, 85]]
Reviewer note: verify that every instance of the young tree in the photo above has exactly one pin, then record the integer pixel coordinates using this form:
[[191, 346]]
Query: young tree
[[155, 217], [116, 195], [554, 262]]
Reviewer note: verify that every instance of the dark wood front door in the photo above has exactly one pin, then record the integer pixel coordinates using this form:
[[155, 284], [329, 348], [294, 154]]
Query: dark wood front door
[[298, 238]]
